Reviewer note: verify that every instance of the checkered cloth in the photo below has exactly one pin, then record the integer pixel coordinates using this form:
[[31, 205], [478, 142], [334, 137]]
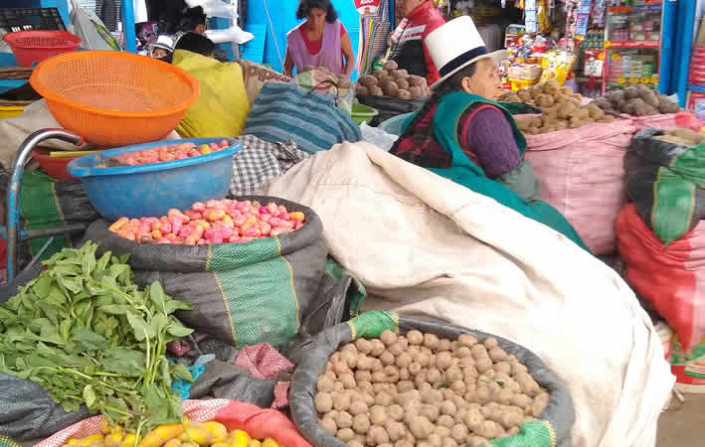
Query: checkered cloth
[[263, 361], [259, 162]]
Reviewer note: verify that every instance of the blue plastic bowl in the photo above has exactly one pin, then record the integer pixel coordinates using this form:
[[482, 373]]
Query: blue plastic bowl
[[153, 189]]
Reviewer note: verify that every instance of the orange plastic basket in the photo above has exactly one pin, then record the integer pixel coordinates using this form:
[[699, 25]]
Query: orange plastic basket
[[114, 99]]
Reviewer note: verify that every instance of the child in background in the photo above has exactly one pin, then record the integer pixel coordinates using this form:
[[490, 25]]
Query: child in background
[[163, 48]]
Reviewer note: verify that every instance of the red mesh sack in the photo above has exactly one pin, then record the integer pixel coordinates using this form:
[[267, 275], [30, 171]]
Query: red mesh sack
[[672, 278]]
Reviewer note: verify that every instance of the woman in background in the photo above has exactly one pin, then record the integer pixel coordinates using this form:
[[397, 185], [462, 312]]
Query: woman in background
[[320, 41]]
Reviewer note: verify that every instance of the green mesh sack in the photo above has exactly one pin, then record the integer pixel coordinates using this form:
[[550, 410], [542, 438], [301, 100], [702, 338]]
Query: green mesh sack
[[46, 203], [666, 181], [243, 294], [7, 442], [551, 429]]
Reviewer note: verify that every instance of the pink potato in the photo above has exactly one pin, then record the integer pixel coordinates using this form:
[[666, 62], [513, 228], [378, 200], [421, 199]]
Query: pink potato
[[212, 222]]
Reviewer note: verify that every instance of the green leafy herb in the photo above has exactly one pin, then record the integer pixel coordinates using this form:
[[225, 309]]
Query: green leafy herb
[[85, 332]]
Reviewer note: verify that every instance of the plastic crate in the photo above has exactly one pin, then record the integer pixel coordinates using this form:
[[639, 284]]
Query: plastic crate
[[31, 19]]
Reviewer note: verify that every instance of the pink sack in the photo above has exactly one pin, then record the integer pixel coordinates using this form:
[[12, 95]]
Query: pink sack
[[668, 121], [581, 173]]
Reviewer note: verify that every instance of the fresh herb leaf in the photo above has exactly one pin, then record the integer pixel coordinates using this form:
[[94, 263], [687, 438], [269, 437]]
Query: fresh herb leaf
[[177, 330], [85, 332], [123, 361], [182, 372], [88, 339], [89, 396], [141, 329]]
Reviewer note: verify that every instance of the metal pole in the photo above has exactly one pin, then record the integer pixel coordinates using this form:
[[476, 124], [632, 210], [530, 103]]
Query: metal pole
[[45, 232], [128, 26], [13, 191]]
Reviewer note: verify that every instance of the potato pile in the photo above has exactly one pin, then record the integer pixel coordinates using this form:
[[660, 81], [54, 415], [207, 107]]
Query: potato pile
[[420, 390], [390, 81], [546, 94], [563, 116], [636, 101], [682, 137]]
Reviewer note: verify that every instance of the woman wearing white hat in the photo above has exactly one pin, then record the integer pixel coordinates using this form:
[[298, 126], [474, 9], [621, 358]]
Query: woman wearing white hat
[[464, 135]]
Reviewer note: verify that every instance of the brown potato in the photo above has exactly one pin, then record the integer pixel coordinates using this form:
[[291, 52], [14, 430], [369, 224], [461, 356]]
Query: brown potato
[[360, 90], [404, 94], [403, 84], [381, 74], [390, 65], [417, 81], [367, 81], [376, 91]]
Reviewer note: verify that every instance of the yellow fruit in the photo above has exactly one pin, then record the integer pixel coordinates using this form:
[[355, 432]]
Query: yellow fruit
[[129, 440], [173, 443], [161, 434], [254, 443], [218, 431], [105, 427], [239, 438], [197, 433], [269, 442]]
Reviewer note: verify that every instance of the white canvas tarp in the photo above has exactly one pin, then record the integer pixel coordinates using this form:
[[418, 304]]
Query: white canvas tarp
[[425, 245]]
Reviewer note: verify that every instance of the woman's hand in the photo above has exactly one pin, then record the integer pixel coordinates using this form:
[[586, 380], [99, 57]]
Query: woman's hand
[[288, 68], [346, 47]]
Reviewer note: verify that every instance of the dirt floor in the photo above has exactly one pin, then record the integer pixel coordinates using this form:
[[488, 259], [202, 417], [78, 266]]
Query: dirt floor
[[684, 425]]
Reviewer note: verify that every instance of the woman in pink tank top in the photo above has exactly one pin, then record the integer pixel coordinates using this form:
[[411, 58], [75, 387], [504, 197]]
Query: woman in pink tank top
[[320, 41]]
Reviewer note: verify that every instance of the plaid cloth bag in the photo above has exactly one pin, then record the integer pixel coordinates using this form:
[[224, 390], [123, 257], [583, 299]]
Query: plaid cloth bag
[[259, 162], [283, 112]]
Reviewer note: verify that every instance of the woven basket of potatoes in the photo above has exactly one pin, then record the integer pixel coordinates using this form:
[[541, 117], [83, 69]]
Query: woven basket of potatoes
[[425, 384], [392, 82]]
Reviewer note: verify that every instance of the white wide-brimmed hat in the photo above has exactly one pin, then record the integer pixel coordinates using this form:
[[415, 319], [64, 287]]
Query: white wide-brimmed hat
[[457, 44], [164, 42]]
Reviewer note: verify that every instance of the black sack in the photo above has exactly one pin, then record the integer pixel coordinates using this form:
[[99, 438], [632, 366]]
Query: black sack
[[389, 107], [555, 423], [243, 294], [28, 412]]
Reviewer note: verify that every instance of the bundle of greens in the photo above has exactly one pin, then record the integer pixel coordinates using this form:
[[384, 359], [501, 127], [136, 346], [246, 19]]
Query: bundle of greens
[[86, 333]]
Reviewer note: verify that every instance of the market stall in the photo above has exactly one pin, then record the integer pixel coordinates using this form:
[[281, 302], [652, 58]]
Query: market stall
[[240, 266]]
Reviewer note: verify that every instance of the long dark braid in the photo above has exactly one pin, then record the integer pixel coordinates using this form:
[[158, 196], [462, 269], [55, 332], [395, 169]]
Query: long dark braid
[[454, 83]]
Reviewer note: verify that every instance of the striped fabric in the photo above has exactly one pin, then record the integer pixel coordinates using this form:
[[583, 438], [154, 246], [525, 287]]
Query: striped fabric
[[283, 112]]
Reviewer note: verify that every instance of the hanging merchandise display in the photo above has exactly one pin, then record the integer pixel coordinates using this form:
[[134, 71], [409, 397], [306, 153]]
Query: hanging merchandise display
[[583, 18], [598, 13], [633, 44], [531, 18], [374, 32]]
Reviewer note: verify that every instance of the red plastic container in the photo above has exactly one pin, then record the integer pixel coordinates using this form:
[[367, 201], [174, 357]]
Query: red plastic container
[[55, 167], [35, 46]]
